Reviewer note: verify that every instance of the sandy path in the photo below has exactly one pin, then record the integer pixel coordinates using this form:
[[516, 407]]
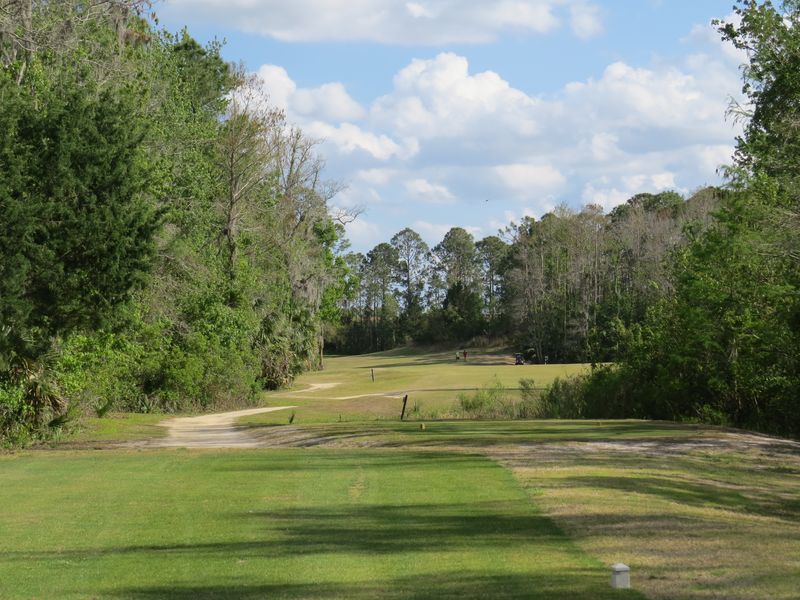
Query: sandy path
[[210, 431], [313, 387]]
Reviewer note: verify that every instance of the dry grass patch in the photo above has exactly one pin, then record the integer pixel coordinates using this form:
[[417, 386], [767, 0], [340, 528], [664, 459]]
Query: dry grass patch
[[705, 524]]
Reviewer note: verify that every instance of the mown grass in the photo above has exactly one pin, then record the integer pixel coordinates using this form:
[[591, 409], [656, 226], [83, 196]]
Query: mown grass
[[432, 381], [696, 512], [471, 434], [112, 428], [280, 524]]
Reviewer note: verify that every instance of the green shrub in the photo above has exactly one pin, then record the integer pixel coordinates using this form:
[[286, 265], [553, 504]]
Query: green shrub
[[712, 416], [531, 405], [485, 403], [15, 414], [564, 399]]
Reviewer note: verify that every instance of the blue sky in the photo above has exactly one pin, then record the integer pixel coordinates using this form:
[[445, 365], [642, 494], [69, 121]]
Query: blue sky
[[437, 113]]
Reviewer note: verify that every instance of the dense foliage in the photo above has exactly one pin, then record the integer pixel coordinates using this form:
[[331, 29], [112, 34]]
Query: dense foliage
[[723, 346], [563, 288], [166, 243]]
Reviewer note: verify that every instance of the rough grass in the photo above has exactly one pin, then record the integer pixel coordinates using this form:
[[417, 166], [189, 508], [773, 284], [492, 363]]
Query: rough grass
[[280, 524], [697, 525], [119, 427], [459, 435]]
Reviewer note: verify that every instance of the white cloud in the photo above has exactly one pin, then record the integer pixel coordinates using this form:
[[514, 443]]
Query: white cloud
[[418, 11], [357, 197], [328, 102], [434, 193], [277, 84], [376, 176], [528, 180], [364, 234], [440, 98], [635, 99], [433, 22], [707, 36], [452, 137], [585, 20], [349, 138], [711, 158], [604, 147]]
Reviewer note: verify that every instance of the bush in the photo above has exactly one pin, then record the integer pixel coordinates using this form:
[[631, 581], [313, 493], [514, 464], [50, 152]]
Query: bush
[[531, 405], [151, 367], [493, 401], [15, 415], [489, 402], [32, 405], [564, 399]]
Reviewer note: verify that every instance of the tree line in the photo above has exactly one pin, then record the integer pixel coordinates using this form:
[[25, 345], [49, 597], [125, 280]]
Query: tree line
[[723, 345], [166, 242], [562, 288]]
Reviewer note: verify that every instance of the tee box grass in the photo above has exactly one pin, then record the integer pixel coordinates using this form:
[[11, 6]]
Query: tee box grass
[[280, 524]]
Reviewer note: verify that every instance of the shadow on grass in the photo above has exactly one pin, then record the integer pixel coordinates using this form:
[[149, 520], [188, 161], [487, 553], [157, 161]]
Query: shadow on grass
[[363, 529], [761, 501], [348, 460], [462, 585], [423, 537], [480, 434], [416, 527]]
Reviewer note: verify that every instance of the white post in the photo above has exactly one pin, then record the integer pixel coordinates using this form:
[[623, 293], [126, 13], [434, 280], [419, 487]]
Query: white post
[[620, 576]]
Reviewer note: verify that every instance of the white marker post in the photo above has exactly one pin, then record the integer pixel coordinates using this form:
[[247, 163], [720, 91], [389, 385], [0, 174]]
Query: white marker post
[[620, 576]]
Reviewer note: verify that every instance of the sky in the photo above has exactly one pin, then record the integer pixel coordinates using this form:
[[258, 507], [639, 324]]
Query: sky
[[476, 113]]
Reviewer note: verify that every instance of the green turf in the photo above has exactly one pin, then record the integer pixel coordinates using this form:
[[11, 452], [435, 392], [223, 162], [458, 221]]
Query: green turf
[[432, 381], [280, 524], [120, 427], [474, 434], [401, 518]]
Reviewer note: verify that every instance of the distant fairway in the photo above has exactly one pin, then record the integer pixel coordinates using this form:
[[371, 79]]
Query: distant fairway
[[432, 380]]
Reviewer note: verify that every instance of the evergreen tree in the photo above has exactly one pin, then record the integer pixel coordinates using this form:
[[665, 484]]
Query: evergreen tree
[[78, 229]]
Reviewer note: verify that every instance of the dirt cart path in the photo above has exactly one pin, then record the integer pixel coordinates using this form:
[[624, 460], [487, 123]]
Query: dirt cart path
[[210, 431]]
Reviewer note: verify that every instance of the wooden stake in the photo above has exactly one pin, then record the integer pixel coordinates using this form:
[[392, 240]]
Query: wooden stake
[[403, 413], [373, 375]]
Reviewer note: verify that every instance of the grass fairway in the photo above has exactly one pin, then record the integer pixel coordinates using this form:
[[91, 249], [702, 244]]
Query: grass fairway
[[345, 390], [280, 524]]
